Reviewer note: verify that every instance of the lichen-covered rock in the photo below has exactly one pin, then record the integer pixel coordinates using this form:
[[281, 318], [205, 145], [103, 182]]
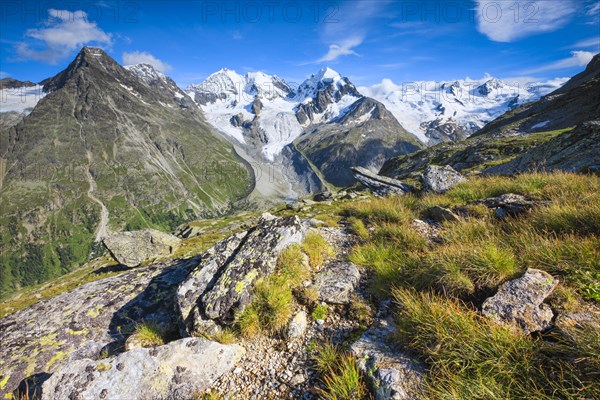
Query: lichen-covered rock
[[440, 179], [200, 280], [133, 248], [298, 325], [336, 282], [391, 373], [223, 283], [380, 185], [82, 323], [519, 302], [180, 369]]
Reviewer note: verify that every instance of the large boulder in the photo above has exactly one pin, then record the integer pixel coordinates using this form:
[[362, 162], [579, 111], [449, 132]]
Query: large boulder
[[440, 179], [222, 284], [180, 369], [519, 302], [336, 282], [133, 248], [87, 321], [380, 185], [391, 373]]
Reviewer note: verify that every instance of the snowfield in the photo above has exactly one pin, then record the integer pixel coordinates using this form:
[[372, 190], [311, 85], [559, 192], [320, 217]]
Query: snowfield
[[469, 103]]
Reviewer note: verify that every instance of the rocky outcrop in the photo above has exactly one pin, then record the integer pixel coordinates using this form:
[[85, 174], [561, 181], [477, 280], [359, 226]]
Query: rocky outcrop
[[133, 248], [336, 282], [441, 179], [82, 323], [222, 284], [180, 369], [519, 302], [509, 204], [391, 373], [380, 185]]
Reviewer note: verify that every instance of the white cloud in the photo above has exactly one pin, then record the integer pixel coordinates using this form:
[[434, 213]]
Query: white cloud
[[591, 42], [143, 57], [500, 21], [3, 74], [578, 59], [343, 49], [64, 31], [594, 9]]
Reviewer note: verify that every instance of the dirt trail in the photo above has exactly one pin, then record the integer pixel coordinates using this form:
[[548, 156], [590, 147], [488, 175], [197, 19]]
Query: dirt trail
[[102, 230]]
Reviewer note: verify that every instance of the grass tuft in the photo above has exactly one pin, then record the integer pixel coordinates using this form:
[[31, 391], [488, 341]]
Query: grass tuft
[[339, 373], [320, 312], [149, 334], [317, 249]]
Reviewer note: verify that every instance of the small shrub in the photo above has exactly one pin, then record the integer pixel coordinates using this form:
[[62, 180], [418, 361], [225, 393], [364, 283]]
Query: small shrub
[[320, 312], [149, 334], [317, 249]]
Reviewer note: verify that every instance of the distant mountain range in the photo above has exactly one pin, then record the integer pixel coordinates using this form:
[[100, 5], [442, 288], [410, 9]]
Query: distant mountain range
[[559, 131]]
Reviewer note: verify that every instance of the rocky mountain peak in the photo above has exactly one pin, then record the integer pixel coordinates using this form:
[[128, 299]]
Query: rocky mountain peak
[[489, 86], [146, 72], [89, 58]]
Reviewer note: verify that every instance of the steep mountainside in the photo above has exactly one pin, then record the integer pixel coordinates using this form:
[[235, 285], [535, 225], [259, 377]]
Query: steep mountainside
[[105, 149], [365, 135], [450, 111], [576, 102], [577, 150]]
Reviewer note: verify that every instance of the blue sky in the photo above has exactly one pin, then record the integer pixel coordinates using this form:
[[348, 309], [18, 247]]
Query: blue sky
[[365, 40]]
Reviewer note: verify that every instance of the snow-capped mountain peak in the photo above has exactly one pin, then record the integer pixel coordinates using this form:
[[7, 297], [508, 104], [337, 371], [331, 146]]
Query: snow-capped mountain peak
[[324, 78], [146, 72], [463, 106]]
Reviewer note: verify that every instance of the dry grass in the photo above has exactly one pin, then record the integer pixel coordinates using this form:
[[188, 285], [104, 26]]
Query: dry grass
[[317, 249]]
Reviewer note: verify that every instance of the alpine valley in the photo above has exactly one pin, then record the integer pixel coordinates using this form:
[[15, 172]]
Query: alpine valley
[[250, 237]]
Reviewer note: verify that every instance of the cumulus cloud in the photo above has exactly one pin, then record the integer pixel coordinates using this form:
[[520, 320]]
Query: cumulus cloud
[[63, 32], [501, 21], [344, 48], [143, 57], [577, 59]]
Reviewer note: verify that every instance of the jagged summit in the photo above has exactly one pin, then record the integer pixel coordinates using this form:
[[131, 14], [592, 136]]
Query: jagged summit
[[146, 72], [88, 58]]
